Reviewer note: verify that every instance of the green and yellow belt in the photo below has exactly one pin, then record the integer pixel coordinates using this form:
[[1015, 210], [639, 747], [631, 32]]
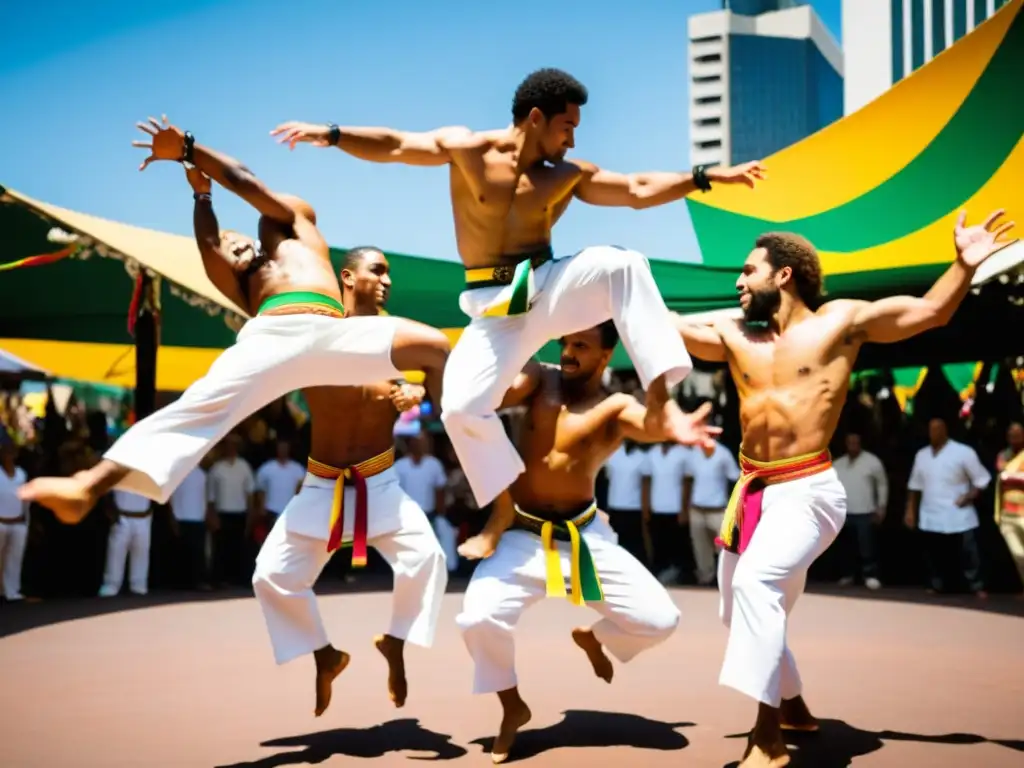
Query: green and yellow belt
[[303, 299], [518, 276], [586, 586]]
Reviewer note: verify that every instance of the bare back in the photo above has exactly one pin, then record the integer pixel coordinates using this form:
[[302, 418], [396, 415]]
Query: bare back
[[792, 386], [498, 210], [350, 424], [563, 445], [295, 258]]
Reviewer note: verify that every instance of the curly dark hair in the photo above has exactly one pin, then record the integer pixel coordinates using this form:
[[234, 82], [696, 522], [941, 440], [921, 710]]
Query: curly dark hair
[[609, 334], [786, 249], [549, 90]]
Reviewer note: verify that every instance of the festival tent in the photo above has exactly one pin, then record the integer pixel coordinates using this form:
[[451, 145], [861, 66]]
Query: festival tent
[[878, 192]]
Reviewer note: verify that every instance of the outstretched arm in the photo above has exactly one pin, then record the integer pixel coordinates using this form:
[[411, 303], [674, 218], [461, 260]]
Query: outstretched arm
[[376, 145], [170, 143], [646, 190], [900, 317], [219, 266], [702, 339]]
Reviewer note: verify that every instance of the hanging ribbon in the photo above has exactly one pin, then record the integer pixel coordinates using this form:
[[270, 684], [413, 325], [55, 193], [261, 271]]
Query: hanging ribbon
[[41, 259]]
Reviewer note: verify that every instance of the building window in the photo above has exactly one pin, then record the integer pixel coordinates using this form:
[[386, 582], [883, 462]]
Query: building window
[[709, 144], [708, 100], [707, 58], [897, 41], [707, 39], [959, 18], [980, 11], [706, 78], [707, 122], [917, 32], [938, 26]]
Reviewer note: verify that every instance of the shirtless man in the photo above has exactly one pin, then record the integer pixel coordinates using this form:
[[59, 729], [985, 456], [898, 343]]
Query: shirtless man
[[353, 432], [295, 338], [791, 358], [571, 428], [508, 189]]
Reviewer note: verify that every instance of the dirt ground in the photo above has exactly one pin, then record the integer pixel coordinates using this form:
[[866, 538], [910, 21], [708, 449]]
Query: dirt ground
[[187, 684]]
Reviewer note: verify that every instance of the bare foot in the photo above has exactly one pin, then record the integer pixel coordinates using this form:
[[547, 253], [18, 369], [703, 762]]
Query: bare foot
[[330, 662], [68, 497], [515, 717], [479, 547], [795, 716], [756, 757], [584, 638], [391, 648]]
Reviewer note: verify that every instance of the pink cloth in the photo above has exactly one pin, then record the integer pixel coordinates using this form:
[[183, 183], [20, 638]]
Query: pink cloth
[[750, 517]]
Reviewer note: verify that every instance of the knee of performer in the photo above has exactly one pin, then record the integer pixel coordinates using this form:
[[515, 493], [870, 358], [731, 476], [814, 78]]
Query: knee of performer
[[266, 581], [626, 260], [476, 623], [665, 619], [749, 586], [459, 414]]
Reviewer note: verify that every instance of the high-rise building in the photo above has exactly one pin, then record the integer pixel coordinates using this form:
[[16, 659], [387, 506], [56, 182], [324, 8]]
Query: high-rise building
[[763, 75], [886, 40]]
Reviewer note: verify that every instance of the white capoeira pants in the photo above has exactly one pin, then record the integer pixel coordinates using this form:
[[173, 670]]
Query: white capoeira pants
[[13, 538], [799, 520], [572, 294], [273, 355], [295, 552], [128, 540], [638, 611]]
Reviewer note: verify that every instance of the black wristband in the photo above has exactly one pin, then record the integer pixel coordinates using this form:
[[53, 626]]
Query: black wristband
[[190, 143], [700, 178], [333, 134], [202, 196]]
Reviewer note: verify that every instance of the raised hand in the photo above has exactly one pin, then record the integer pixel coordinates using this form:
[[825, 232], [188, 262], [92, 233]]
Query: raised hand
[[746, 173], [199, 181], [692, 428], [168, 141], [406, 396], [977, 243], [293, 132]]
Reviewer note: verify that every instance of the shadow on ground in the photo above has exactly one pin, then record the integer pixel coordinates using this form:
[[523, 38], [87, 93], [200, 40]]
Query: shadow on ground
[[838, 743], [406, 735], [589, 728]]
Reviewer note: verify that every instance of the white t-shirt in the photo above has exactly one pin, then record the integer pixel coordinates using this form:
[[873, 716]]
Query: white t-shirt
[[10, 505], [229, 485], [865, 482], [279, 483], [422, 481], [625, 475], [188, 502], [665, 468], [942, 478], [713, 476]]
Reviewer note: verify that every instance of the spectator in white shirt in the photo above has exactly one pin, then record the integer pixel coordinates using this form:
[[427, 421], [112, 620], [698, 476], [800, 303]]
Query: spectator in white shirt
[[867, 495], [945, 481], [229, 491], [663, 469], [277, 482], [188, 524], [13, 518], [625, 473], [129, 540], [423, 477], [709, 480]]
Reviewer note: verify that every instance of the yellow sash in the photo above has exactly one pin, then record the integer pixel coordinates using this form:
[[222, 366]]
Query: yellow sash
[[586, 586]]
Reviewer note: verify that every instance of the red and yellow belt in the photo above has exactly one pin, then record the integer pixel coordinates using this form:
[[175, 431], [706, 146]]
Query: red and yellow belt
[[357, 474], [744, 510]]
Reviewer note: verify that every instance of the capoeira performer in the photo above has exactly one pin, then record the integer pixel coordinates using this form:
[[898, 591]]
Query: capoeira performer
[[508, 188], [351, 494], [571, 428], [295, 339], [791, 358]]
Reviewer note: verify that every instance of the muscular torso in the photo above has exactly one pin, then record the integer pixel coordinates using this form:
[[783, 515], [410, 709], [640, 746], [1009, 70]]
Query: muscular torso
[[350, 424], [563, 444], [792, 386], [293, 258], [499, 211]]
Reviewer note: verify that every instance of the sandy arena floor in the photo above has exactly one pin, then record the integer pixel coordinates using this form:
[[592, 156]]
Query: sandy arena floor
[[194, 684]]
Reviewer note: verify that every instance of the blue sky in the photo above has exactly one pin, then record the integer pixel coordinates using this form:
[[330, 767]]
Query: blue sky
[[76, 76]]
